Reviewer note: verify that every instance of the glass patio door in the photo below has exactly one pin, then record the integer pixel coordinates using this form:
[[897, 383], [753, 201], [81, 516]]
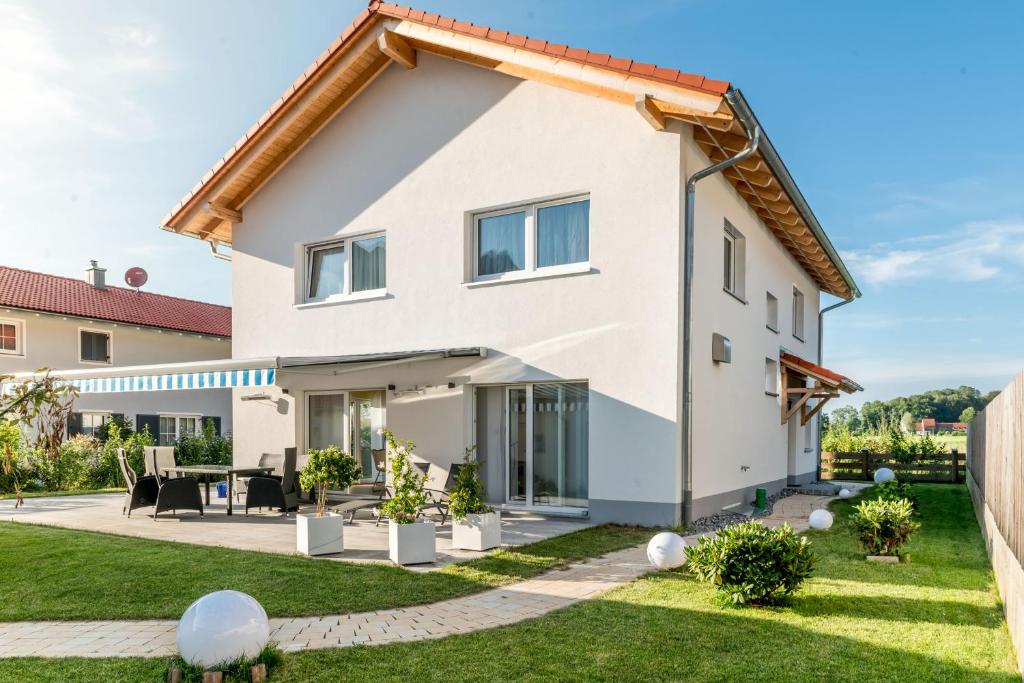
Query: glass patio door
[[366, 420], [325, 420], [548, 445]]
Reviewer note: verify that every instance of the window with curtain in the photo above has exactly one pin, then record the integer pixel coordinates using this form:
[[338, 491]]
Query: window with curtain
[[346, 266], [563, 234], [368, 264], [501, 243], [532, 237]]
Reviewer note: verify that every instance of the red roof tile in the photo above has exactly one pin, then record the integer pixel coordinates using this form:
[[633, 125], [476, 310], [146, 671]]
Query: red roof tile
[[68, 296], [816, 369]]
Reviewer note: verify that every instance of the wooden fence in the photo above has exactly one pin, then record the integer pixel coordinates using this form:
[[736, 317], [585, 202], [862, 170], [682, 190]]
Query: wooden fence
[[941, 467], [995, 441]]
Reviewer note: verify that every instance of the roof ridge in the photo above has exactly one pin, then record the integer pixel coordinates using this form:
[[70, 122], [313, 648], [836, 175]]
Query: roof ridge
[[117, 287]]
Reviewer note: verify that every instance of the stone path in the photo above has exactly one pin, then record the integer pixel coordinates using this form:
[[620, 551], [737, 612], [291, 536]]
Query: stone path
[[497, 607]]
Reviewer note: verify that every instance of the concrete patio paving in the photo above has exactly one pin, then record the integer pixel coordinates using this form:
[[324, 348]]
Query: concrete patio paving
[[269, 532]]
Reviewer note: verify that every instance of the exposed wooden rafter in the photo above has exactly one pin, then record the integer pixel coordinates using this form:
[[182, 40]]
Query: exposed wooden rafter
[[222, 212], [650, 112], [395, 47]]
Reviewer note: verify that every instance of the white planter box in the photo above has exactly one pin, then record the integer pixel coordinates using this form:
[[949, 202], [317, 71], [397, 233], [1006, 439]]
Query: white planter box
[[319, 535], [477, 532], [412, 543]]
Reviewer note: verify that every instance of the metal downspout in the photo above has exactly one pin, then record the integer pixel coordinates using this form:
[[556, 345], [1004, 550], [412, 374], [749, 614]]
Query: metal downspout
[[754, 135], [821, 333]]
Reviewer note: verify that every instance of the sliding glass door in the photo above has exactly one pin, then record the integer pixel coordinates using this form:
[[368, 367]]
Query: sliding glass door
[[366, 418], [325, 420], [548, 444]]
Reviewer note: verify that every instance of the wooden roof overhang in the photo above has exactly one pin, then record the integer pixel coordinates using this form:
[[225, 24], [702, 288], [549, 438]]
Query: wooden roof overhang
[[826, 385], [390, 33]]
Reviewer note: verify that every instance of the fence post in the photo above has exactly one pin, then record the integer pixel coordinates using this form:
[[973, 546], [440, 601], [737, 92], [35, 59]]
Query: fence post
[[867, 471], [956, 466]]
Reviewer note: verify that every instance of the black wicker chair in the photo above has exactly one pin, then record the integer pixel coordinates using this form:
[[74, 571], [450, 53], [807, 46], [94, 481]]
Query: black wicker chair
[[176, 493], [275, 492], [142, 491]]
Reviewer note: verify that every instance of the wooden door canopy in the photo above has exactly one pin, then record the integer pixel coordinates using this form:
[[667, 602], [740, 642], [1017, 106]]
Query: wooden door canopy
[[827, 384]]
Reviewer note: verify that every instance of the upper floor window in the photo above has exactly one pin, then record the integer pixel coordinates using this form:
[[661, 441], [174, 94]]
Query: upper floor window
[[94, 346], [12, 337], [532, 237], [339, 268], [798, 314], [734, 255], [771, 312]]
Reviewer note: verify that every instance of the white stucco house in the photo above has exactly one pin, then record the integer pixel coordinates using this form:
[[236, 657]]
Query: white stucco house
[[481, 239], [86, 330]]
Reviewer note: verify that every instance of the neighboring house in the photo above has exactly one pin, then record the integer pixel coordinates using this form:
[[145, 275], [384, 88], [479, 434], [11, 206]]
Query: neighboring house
[[930, 426], [477, 238], [88, 329]]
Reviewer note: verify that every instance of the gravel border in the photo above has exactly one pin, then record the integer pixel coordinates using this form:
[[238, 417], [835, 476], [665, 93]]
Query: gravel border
[[714, 522]]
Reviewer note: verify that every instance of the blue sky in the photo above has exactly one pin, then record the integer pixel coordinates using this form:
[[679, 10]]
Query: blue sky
[[896, 119]]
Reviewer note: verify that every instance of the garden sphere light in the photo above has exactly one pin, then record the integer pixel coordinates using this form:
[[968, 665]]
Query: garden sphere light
[[221, 627]]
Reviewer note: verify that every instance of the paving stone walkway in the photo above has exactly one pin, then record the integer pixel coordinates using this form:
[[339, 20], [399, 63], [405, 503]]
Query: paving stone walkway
[[497, 607]]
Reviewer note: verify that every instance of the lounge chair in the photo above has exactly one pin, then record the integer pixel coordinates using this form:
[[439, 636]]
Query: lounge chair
[[380, 464], [437, 499], [142, 491], [351, 507], [175, 493], [275, 492]]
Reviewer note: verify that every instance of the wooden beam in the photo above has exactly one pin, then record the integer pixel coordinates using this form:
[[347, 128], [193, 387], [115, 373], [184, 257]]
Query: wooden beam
[[806, 415], [395, 47], [222, 212], [649, 110]]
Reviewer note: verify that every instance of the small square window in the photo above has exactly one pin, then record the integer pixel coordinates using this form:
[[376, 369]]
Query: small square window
[[10, 337], [563, 234], [798, 314], [501, 243], [369, 261], [94, 346], [327, 271], [771, 376], [340, 268], [771, 312]]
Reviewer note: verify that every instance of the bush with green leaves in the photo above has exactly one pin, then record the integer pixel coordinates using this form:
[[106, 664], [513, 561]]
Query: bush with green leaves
[[894, 489], [70, 467], [751, 563], [408, 499], [14, 468], [466, 497], [204, 448], [328, 467], [884, 526]]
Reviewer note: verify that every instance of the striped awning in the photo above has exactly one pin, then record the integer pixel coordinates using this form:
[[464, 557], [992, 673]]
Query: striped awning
[[223, 379]]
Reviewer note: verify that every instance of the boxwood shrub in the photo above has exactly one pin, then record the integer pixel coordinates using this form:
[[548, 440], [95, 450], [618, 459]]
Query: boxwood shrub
[[751, 563], [883, 526]]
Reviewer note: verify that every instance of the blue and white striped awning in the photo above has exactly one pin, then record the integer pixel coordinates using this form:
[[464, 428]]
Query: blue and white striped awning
[[191, 376], [223, 379]]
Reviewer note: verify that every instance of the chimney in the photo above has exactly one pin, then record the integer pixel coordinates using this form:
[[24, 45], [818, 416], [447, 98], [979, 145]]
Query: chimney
[[95, 275]]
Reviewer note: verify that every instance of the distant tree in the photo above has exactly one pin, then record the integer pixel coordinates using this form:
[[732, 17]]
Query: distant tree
[[968, 414], [907, 422], [846, 416]]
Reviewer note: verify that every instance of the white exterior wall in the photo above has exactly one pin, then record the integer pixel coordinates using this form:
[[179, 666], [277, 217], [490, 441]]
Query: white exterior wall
[[412, 155], [51, 341], [736, 424]]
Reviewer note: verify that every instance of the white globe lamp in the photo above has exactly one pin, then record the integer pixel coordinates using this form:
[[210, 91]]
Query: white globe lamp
[[845, 493], [884, 474], [820, 519], [220, 627], [667, 550]]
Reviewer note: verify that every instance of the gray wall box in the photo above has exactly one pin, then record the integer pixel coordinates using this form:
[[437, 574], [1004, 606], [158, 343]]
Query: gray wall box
[[721, 348]]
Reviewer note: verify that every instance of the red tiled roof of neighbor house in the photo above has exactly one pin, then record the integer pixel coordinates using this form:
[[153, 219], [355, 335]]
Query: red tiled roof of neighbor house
[[651, 72], [29, 290]]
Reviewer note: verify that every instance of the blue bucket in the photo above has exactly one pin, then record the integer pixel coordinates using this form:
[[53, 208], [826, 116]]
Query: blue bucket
[[222, 489]]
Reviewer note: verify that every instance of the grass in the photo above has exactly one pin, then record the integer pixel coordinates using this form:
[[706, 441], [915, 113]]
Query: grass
[[54, 573], [935, 619], [58, 494], [951, 441]]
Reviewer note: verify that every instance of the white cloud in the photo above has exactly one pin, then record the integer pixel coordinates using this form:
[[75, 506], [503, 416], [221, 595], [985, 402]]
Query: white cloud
[[978, 251]]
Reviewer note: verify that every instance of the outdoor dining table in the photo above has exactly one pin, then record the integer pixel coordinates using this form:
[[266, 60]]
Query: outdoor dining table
[[228, 471]]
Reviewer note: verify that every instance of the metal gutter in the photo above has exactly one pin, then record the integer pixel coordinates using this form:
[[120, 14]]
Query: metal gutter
[[754, 134], [778, 167]]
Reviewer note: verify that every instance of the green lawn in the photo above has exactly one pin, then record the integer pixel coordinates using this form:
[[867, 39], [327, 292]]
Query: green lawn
[[951, 441], [935, 619], [53, 573], [58, 494]]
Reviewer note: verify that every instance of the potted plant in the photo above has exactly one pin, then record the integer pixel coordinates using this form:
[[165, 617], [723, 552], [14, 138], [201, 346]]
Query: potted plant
[[320, 533], [475, 525], [409, 541], [883, 527]]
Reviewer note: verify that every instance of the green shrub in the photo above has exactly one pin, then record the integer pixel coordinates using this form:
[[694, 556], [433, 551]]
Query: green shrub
[[404, 506], [751, 563], [15, 472], [466, 497], [325, 468], [204, 448], [884, 526], [70, 468], [894, 490]]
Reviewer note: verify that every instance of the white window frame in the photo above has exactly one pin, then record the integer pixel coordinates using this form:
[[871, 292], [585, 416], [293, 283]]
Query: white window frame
[[530, 268], [347, 294], [178, 417], [771, 377], [799, 313], [104, 416], [110, 346], [771, 321], [19, 337], [737, 284]]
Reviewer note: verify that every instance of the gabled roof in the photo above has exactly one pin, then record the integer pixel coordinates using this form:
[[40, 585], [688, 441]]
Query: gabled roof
[[28, 290], [386, 32]]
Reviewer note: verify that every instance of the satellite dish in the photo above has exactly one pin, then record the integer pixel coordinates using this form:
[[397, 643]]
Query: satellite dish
[[136, 277]]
